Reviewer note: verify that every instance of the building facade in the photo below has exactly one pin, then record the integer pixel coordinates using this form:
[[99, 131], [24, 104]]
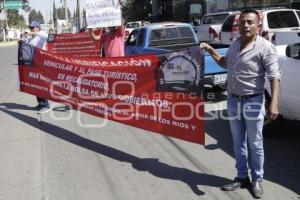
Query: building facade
[[185, 10]]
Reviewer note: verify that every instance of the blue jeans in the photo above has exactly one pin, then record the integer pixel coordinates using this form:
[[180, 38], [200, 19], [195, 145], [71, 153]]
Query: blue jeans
[[246, 117]]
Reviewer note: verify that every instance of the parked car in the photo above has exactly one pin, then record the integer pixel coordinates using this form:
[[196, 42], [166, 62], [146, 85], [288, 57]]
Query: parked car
[[289, 61], [159, 37], [210, 27], [272, 20], [163, 37]]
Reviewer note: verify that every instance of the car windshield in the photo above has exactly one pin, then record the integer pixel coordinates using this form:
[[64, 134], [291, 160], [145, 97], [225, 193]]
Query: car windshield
[[214, 19], [133, 25]]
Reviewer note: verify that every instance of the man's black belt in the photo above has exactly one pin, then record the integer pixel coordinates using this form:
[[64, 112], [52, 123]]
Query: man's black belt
[[241, 97]]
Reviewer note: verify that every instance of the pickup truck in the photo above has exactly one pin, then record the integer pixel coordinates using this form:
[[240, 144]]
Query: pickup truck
[[164, 37], [289, 61], [272, 20], [210, 27]]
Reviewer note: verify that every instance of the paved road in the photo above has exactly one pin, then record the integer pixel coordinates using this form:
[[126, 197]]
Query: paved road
[[62, 155]]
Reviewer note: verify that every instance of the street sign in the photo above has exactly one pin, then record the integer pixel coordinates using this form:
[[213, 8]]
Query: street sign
[[13, 5]]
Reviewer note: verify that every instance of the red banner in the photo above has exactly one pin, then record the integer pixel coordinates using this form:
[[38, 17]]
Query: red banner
[[163, 94], [75, 45]]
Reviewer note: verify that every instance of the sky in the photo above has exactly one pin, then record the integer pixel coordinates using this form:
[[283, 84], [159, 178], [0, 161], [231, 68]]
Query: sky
[[45, 6]]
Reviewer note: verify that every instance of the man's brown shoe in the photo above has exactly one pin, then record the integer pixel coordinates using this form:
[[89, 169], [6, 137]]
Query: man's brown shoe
[[257, 189], [236, 184]]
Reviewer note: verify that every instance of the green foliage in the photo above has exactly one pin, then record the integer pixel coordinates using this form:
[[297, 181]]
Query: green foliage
[[84, 22], [136, 10], [180, 11], [54, 12], [35, 15], [61, 13], [40, 17], [32, 16], [14, 19]]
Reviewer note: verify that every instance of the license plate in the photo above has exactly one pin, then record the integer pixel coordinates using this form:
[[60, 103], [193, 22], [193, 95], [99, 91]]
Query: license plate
[[220, 78]]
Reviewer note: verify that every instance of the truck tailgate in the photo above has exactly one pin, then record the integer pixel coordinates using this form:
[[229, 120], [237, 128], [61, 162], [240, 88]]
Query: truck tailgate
[[211, 67]]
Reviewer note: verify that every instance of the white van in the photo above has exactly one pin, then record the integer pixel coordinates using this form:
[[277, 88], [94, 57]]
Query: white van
[[272, 20], [209, 29]]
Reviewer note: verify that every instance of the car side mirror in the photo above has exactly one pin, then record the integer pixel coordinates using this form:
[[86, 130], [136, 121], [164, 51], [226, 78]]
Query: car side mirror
[[293, 51]]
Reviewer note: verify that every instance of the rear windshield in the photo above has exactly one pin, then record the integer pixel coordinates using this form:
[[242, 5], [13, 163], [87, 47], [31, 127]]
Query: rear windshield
[[214, 19], [227, 25], [171, 36], [282, 19]]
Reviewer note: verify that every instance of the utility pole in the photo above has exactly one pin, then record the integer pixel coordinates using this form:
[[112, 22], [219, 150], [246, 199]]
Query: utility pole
[[78, 15], [54, 16], [66, 13], [4, 29]]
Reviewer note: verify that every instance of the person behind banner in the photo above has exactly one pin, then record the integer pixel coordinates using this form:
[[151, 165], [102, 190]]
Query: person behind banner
[[194, 22], [249, 59], [36, 37], [51, 31], [112, 39]]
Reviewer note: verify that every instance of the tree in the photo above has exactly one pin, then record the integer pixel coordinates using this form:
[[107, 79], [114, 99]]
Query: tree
[[14, 19], [54, 16], [84, 22], [142, 10], [61, 13], [180, 12], [33, 15], [40, 17], [166, 10], [54, 12], [36, 15]]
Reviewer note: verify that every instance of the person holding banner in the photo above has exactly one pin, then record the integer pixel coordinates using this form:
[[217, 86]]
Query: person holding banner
[[112, 39], [38, 38], [248, 60]]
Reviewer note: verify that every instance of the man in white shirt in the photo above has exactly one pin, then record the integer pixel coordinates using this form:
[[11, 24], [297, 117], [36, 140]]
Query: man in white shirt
[[38, 39]]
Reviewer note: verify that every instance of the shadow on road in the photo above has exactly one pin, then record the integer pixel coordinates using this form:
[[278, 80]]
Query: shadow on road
[[282, 150], [151, 165], [15, 106]]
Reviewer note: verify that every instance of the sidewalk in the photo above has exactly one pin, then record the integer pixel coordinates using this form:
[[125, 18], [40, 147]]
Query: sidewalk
[[9, 43]]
